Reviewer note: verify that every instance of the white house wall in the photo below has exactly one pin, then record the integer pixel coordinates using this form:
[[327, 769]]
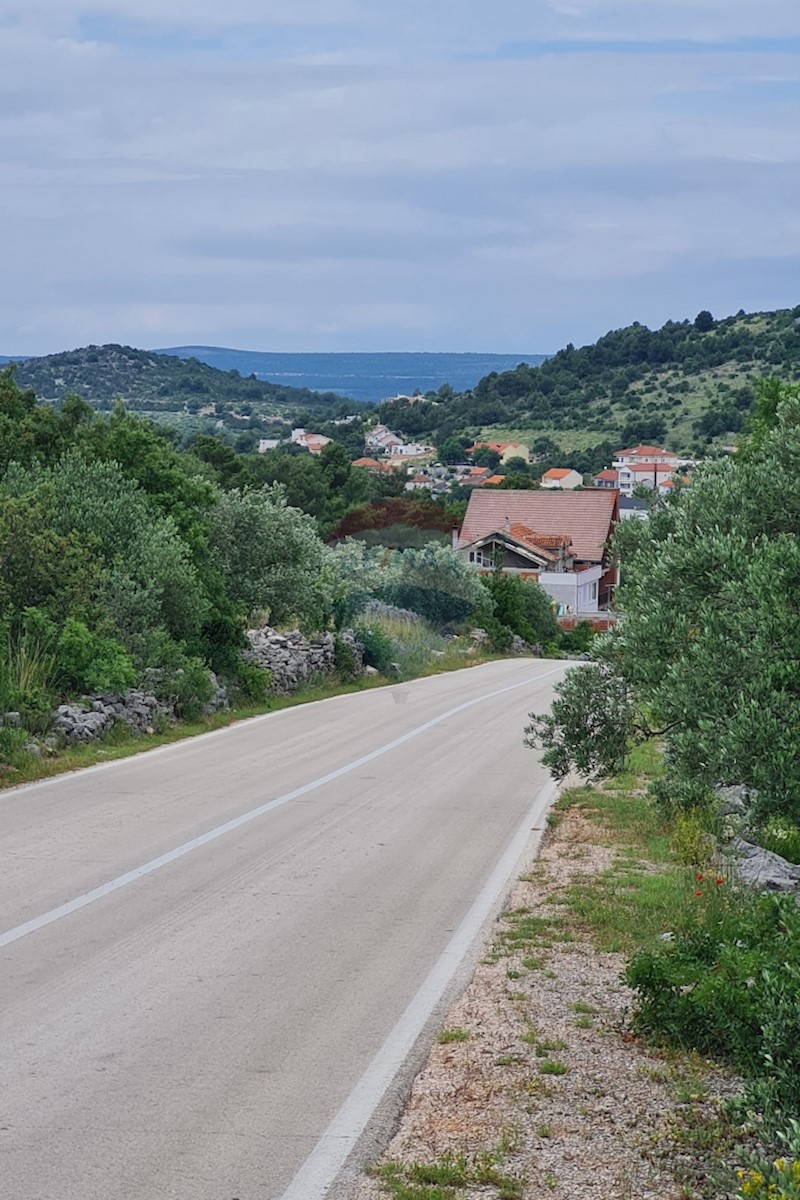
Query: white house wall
[[578, 590]]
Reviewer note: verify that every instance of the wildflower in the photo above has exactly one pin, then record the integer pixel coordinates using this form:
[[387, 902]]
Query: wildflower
[[699, 878], [698, 893], [719, 881]]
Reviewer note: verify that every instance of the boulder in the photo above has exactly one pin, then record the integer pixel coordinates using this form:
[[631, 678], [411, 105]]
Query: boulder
[[763, 870]]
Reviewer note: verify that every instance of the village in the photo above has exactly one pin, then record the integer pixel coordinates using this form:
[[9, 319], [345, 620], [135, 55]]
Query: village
[[555, 529]]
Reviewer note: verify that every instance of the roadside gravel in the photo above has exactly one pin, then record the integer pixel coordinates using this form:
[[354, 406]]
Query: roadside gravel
[[544, 1082]]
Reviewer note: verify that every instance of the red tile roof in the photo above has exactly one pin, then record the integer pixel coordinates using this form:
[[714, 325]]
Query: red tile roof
[[372, 464], [558, 473], [609, 474], [641, 451], [585, 517], [647, 468]]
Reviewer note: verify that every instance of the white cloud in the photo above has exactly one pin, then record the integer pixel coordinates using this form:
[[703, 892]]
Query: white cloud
[[451, 203]]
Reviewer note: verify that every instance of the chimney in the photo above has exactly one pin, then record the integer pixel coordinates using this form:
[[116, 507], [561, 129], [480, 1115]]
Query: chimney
[[506, 525], [454, 537]]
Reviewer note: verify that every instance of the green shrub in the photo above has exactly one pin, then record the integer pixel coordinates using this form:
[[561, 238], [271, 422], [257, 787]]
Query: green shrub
[[728, 985], [692, 843], [345, 660], [252, 682], [522, 607], [775, 1178], [86, 662], [379, 649], [577, 640], [781, 837], [187, 687], [28, 673], [12, 745]]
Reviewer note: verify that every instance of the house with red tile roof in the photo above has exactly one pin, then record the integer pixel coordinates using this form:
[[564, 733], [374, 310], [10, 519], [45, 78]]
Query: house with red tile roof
[[506, 450], [606, 479], [562, 477], [559, 538], [373, 466]]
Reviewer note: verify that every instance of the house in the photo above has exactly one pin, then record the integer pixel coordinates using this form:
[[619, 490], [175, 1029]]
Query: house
[[410, 450], [373, 466], [381, 438], [562, 477], [313, 442], [644, 474], [646, 466], [506, 450], [265, 444], [606, 479], [559, 538], [642, 454]]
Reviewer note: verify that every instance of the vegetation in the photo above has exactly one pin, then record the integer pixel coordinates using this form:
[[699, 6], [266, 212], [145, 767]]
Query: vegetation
[[689, 383], [705, 663], [706, 656], [145, 380]]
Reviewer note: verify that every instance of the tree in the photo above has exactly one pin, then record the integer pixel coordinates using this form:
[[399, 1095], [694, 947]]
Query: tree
[[484, 457], [435, 582], [704, 322], [270, 555], [522, 606], [451, 450]]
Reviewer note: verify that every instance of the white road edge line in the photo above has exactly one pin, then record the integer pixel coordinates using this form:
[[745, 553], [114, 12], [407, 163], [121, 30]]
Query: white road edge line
[[171, 856], [322, 1167]]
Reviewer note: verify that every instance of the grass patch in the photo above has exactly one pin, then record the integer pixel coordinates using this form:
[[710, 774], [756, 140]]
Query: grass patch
[[452, 1035], [449, 1176], [645, 891]]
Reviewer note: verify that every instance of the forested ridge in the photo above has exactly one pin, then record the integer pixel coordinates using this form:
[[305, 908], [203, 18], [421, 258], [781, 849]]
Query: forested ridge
[[150, 381], [686, 383]]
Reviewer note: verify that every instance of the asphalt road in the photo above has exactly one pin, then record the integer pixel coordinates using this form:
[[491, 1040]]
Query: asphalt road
[[207, 946]]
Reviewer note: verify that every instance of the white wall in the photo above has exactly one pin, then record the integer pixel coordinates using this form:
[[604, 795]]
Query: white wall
[[578, 589]]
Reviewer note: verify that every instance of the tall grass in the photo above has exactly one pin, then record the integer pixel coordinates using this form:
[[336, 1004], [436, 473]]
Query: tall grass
[[405, 647], [27, 679]]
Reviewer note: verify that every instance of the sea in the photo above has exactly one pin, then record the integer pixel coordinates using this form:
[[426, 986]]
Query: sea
[[365, 377]]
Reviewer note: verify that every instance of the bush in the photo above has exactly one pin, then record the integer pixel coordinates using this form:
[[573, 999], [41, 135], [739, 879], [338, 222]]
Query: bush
[[86, 662], [252, 682], [435, 582], [522, 606], [781, 837], [379, 649], [12, 745], [28, 673], [728, 985], [187, 688], [577, 640], [345, 660]]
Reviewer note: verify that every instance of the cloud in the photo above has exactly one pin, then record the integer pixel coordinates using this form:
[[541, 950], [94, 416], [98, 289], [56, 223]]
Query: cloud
[[371, 176]]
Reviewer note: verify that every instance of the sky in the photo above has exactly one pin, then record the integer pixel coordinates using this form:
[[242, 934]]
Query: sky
[[364, 175]]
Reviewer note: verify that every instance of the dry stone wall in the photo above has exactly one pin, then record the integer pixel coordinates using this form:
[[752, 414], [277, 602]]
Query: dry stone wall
[[292, 659]]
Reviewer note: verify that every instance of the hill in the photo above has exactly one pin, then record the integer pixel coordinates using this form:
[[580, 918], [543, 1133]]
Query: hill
[[160, 383], [688, 383]]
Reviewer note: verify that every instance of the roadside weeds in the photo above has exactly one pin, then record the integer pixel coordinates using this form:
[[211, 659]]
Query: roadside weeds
[[535, 1088]]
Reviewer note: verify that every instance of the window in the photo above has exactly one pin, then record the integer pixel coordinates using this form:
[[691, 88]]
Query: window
[[594, 590]]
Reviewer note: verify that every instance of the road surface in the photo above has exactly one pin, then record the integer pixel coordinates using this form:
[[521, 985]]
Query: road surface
[[214, 956]]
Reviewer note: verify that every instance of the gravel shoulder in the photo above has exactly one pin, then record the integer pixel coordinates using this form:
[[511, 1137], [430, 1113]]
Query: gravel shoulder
[[535, 1088]]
